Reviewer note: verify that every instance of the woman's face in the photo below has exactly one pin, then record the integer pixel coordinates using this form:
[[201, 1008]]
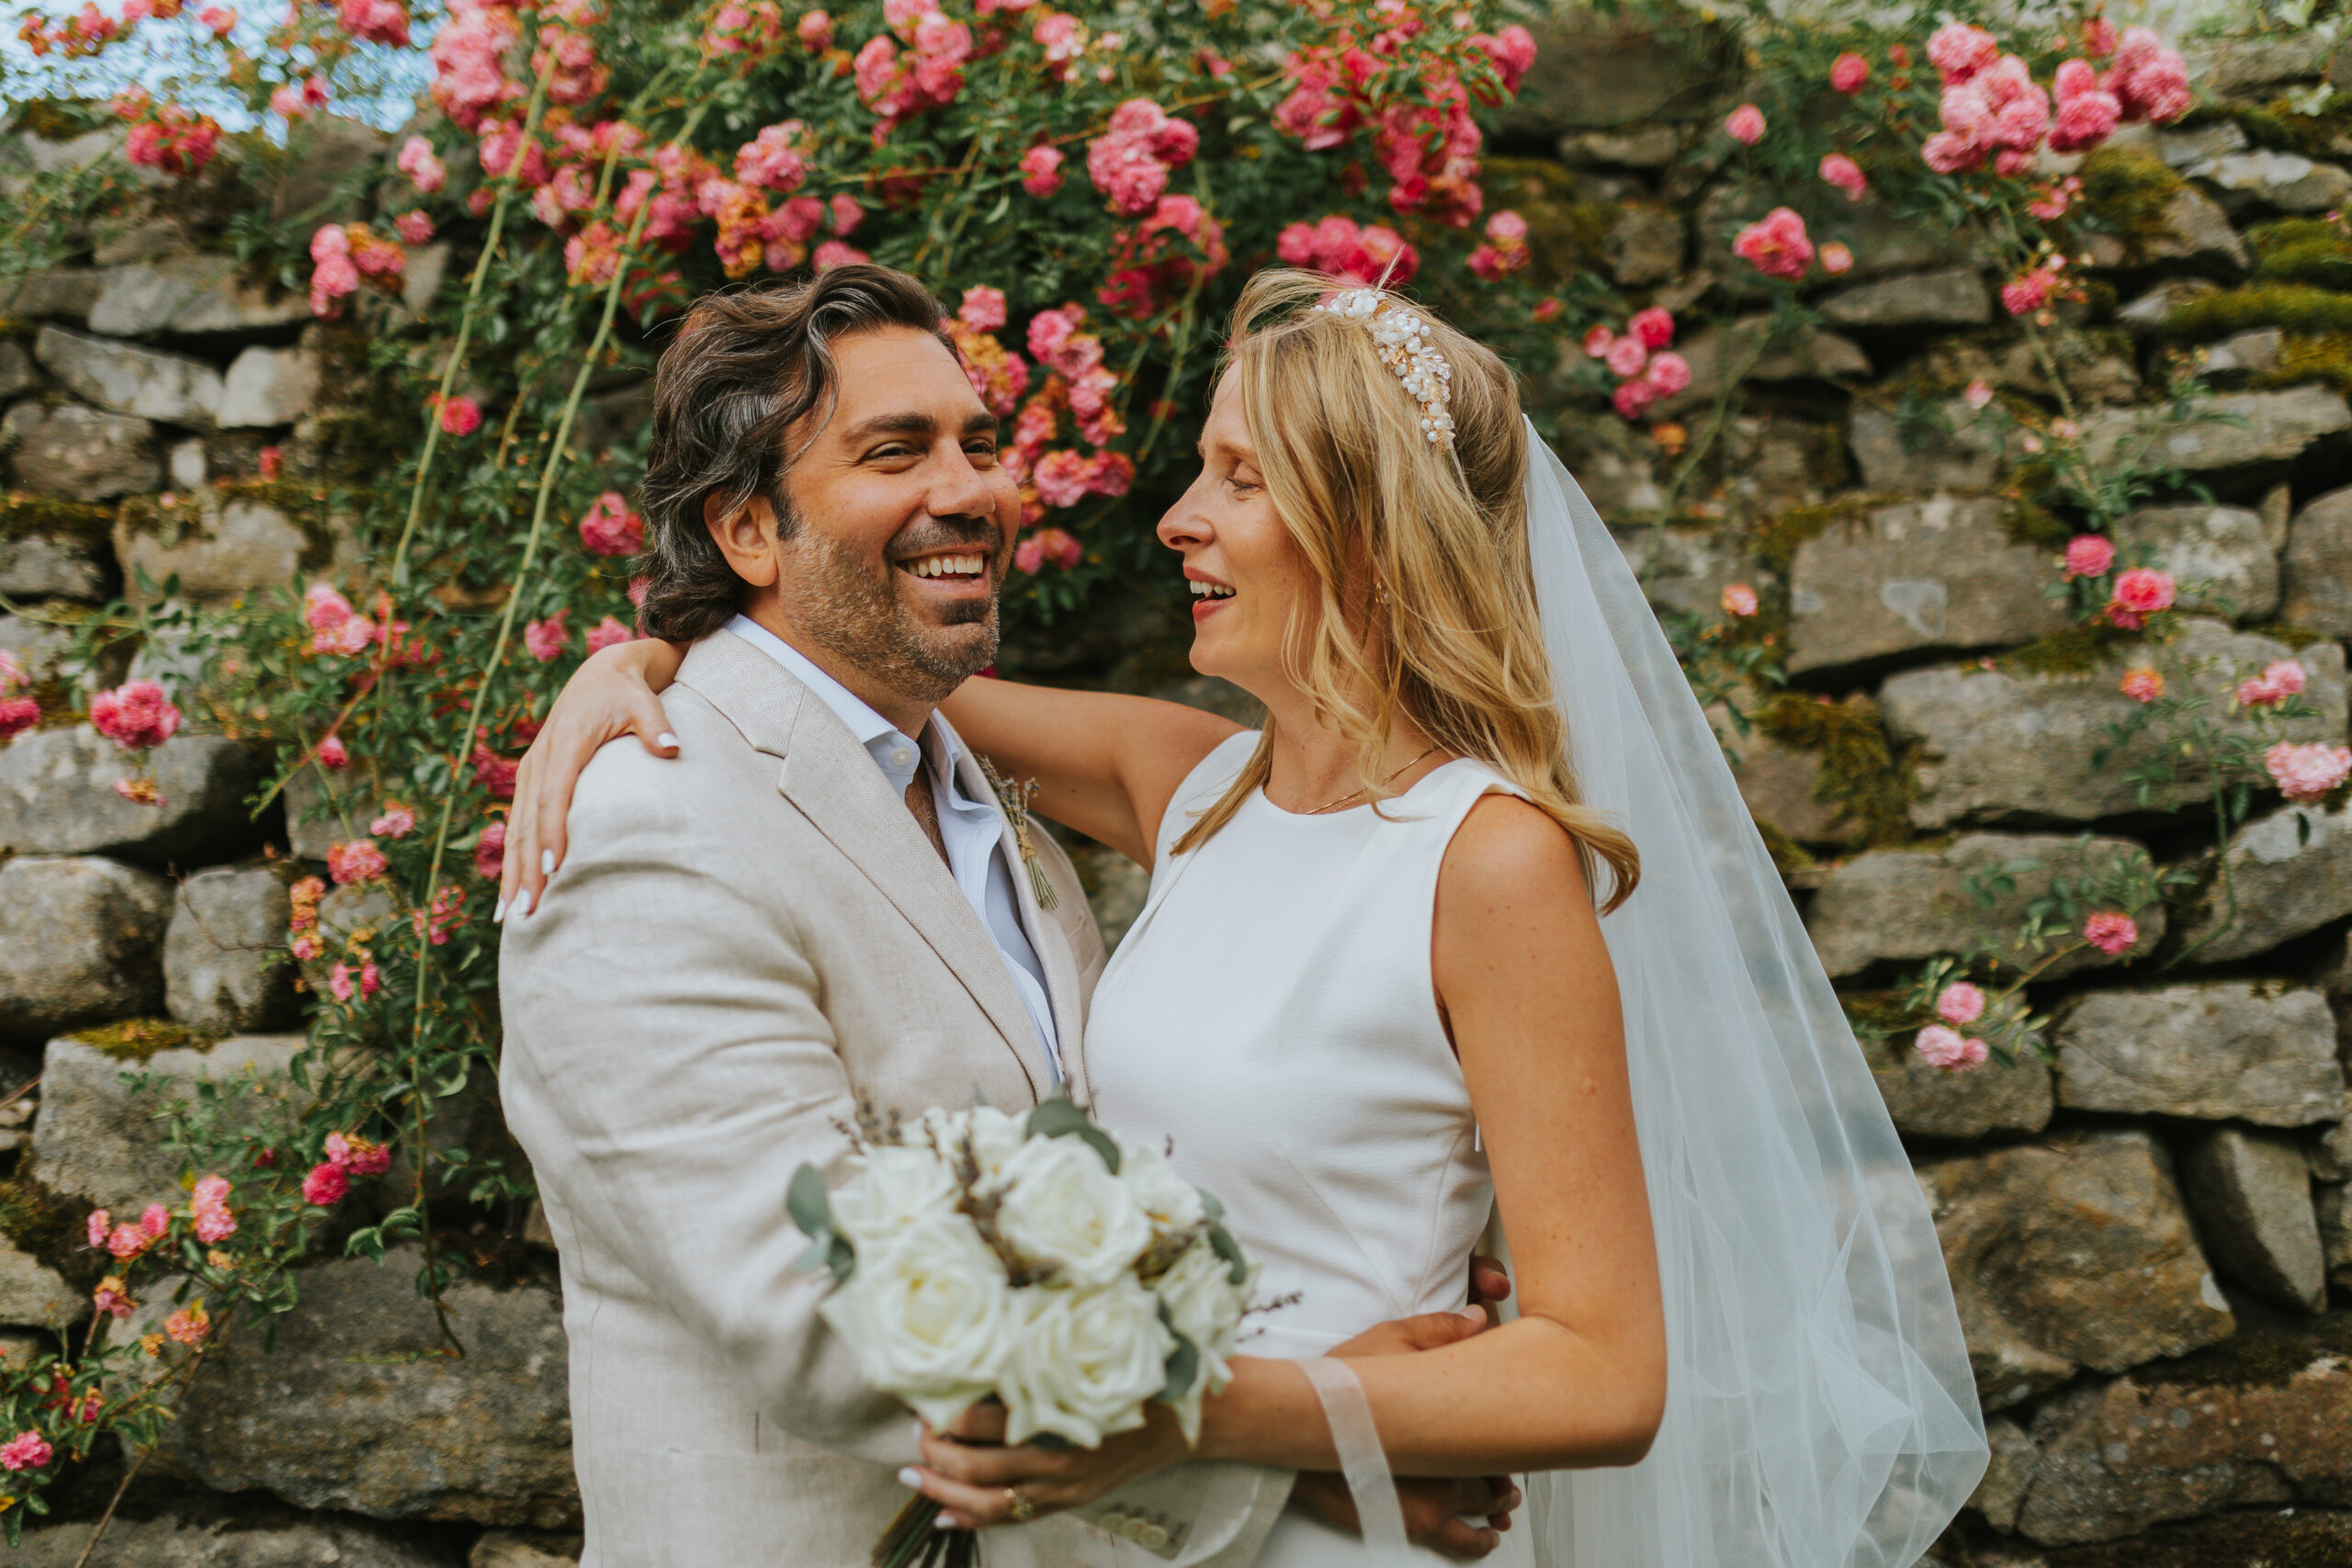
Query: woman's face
[[1246, 574]]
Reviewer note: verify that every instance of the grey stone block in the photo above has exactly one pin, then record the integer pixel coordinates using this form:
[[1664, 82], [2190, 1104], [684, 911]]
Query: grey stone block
[[1903, 906], [2317, 587], [1929, 576], [2069, 1258], [124, 379], [1964, 455], [400, 1432], [226, 967], [2290, 873], [269, 387], [64, 293], [99, 1139], [2220, 552], [57, 796], [2002, 1492], [2251, 1193], [1934, 1103], [2245, 428], [2194, 232], [188, 295], [16, 372], [1953, 297], [208, 1535], [2017, 748], [78, 452], [34, 1297], [242, 548], [2264, 178], [79, 945], [2215, 1051], [49, 566]]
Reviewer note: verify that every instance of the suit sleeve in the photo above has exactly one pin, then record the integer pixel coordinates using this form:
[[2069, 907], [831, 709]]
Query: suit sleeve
[[667, 1068]]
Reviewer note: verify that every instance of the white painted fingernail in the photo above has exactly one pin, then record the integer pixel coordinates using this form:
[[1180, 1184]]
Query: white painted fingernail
[[910, 1478], [522, 905], [666, 739], [498, 914], [546, 863], [1474, 1315], [918, 1429]]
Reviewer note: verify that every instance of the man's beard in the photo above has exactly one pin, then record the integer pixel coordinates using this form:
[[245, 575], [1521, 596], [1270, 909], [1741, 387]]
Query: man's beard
[[840, 605]]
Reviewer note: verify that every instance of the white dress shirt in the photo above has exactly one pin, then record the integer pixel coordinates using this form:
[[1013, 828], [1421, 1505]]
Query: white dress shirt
[[977, 855]]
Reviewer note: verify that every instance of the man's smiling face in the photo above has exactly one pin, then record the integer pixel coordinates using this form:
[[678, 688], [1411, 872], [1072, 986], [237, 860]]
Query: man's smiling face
[[903, 526]]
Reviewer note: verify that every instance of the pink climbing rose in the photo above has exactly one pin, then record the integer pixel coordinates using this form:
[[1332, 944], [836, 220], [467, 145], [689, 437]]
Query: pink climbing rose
[[2144, 682], [2308, 775], [26, 1450], [2280, 679], [1041, 171], [1942, 1046], [1654, 326], [135, 715], [397, 822], [982, 308], [425, 170], [1627, 356], [1668, 374], [1960, 1003], [1745, 125], [546, 639], [490, 850], [326, 1185], [610, 528], [2112, 931], [1776, 245], [2138, 593], [2089, 555], [1837, 258], [1849, 71], [1738, 599], [607, 632], [358, 861], [1845, 173], [460, 416]]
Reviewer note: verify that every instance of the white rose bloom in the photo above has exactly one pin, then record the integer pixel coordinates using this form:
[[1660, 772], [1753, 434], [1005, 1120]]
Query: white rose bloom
[[1207, 1308], [1083, 1361], [996, 1138], [1172, 1203], [1062, 1207], [897, 1188], [929, 1314]]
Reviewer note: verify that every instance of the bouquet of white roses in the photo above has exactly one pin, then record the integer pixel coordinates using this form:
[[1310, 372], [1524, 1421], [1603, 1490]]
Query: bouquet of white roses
[[1040, 1261]]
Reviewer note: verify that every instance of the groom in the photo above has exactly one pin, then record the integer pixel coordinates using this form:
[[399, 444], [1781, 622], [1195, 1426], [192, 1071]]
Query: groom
[[819, 902]]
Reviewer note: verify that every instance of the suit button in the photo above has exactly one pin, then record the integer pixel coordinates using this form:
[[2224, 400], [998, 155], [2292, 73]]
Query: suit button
[[1151, 1538]]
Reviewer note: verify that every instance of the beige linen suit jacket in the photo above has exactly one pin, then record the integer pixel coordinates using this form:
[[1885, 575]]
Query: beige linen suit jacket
[[742, 944]]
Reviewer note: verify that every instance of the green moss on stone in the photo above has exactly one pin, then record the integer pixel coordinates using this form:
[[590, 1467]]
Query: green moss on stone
[[50, 1227], [2301, 250], [2030, 522], [2297, 307], [23, 513], [2257, 1357], [2129, 191], [2077, 650], [2325, 360], [1875, 1014], [1774, 540], [1788, 855], [1860, 775], [136, 1039], [1565, 234]]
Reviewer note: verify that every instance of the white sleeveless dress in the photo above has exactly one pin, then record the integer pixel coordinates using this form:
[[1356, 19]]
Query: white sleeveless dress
[[1271, 1013]]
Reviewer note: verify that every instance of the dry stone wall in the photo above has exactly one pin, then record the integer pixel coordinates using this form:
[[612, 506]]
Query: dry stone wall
[[2151, 1240]]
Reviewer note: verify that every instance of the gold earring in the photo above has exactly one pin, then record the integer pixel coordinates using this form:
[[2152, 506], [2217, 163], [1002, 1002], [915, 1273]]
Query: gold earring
[[1382, 590]]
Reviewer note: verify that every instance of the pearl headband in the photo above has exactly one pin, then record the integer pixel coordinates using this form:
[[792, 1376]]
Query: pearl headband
[[1402, 341]]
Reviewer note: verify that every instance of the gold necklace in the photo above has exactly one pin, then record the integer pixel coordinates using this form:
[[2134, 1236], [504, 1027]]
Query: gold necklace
[[1361, 789]]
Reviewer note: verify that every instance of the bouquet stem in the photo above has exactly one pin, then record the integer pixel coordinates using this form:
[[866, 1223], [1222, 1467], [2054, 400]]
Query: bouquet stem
[[915, 1540]]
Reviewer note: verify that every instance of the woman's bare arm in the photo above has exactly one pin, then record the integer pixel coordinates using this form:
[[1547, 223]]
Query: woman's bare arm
[[613, 693], [1579, 1379], [1106, 765]]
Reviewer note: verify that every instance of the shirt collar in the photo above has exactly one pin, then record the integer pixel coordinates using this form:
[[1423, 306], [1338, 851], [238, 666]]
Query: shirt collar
[[899, 757]]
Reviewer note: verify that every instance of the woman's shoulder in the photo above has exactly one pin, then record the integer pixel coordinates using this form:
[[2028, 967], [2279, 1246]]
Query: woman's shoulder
[[1509, 850]]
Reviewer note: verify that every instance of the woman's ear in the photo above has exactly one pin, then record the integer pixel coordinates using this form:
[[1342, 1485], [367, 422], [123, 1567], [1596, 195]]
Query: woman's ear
[[746, 536]]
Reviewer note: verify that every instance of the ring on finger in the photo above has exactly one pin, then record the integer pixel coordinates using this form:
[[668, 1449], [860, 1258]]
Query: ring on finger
[[1018, 1507]]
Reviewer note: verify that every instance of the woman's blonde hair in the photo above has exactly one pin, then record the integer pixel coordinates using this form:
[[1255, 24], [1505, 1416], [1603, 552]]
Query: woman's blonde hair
[[1442, 531]]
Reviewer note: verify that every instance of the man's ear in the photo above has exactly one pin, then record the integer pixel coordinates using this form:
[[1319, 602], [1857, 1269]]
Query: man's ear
[[746, 536]]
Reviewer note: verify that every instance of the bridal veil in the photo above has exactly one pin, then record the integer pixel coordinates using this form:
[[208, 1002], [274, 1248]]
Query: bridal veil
[[1820, 1410]]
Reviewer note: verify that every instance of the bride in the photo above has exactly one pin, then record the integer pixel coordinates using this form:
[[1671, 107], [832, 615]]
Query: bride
[[1476, 924]]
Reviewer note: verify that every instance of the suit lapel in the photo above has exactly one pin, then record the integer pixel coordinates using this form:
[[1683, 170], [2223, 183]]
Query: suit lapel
[[829, 777], [1062, 989]]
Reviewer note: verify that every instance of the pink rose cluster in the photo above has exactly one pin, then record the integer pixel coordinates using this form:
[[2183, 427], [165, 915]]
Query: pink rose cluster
[[377, 21], [1645, 371], [2138, 593], [17, 712], [26, 1450], [208, 1207], [546, 640], [1044, 544], [469, 60], [1776, 245], [2088, 555], [1941, 1045], [1076, 358], [344, 255], [1148, 265], [354, 861], [607, 632], [2308, 775], [337, 627], [610, 528], [1506, 250], [295, 99], [1041, 171], [127, 1240], [897, 87], [750, 31], [2034, 287], [165, 138], [1130, 162], [348, 1155], [998, 374], [489, 850], [302, 923], [1993, 108], [1838, 170], [1367, 253], [135, 715], [423, 169], [1432, 155], [2112, 931], [2280, 679]]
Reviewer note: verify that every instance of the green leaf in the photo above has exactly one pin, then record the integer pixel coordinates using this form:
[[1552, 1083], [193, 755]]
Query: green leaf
[[13, 1522], [2302, 829], [807, 1202], [1060, 1117], [1183, 1364], [1222, 1243]]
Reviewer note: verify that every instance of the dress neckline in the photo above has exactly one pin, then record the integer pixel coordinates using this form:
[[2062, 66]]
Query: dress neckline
[[1260, 798]]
